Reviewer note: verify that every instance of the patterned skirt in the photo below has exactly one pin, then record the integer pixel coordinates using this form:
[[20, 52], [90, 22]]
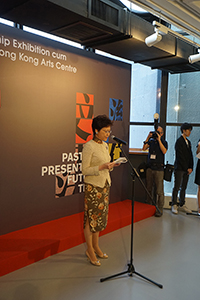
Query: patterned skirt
[[96, 206]]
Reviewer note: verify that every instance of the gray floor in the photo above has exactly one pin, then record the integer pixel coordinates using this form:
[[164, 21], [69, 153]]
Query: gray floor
[[166, 250]]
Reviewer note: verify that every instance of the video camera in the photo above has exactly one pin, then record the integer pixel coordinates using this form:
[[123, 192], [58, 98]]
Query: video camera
[[154, 134]]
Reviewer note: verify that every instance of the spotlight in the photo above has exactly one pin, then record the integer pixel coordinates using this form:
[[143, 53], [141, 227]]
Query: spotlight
[[194, 58], [153, 39]]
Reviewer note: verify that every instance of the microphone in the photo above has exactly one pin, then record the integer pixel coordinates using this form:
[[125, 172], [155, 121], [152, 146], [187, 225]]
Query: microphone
[[118, 140]]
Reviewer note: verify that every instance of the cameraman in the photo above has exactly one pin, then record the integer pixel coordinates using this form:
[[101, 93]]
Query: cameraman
[[155, 166]]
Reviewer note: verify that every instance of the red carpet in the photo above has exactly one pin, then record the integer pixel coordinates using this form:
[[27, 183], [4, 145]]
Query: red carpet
[[24, 247]]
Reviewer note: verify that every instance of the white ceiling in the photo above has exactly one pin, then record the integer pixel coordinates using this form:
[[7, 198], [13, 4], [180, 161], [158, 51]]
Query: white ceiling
[[184, 14]]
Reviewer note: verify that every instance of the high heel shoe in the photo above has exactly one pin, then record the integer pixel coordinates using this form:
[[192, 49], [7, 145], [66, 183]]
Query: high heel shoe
[[103, 256], [95, 263]]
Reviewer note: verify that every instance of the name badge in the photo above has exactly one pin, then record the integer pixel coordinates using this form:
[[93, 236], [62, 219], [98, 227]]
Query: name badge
[[153, 156]]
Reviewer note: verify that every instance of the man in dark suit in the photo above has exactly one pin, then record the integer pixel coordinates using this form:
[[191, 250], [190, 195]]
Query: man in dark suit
[[183, 167]]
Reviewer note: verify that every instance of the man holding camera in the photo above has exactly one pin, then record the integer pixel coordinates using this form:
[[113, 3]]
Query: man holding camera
[[155, 166]]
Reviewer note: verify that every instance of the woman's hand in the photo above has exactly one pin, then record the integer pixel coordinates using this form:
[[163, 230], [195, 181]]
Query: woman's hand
[[116, 165], [104, 166], [109, 166]]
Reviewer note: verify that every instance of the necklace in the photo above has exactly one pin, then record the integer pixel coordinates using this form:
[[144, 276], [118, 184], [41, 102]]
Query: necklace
[[97, 140]]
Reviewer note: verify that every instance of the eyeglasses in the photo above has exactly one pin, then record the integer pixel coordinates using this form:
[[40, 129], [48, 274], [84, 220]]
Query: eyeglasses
[[107, 131]]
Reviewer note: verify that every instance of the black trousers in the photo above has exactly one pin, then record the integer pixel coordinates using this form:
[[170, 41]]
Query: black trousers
[[180, 183]]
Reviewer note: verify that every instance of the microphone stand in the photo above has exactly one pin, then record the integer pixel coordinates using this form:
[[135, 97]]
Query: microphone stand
[[131, 269]]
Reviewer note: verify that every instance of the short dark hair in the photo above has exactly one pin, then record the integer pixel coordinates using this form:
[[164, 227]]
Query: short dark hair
[[186, 126], [99, 122]]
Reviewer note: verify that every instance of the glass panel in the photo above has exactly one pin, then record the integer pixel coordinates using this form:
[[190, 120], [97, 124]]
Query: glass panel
[[138, 134], [183, 98], [172, 133], [143, 93]]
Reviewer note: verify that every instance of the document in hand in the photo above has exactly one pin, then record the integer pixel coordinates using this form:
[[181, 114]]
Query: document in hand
[[121, 160]]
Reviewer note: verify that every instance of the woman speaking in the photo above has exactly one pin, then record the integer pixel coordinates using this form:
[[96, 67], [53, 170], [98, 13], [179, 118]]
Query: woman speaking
[[96, 167]]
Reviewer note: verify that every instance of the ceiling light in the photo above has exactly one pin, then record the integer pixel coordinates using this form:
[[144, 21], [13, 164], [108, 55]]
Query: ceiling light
[[153, 39], [156, 37], [161, 30], [194, 58]]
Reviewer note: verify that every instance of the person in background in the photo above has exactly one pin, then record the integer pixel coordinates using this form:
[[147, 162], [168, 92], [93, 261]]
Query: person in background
[[197, 177], [155, 166], [183, 167], [96, 167]]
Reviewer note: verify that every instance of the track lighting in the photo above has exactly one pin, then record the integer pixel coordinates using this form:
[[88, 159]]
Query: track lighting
[[161, 30], [155, 38], [194, 58]]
